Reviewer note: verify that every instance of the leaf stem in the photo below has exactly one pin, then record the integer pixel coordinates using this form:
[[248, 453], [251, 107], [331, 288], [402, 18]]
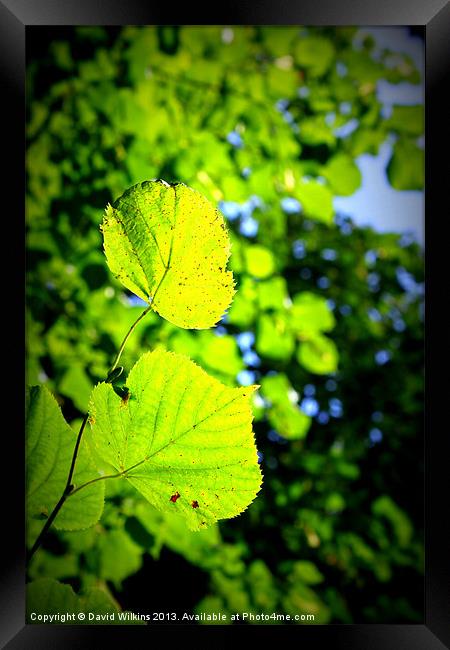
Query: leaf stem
[[47, 525], [94, 480], [122, 347], [69, 489], [102, 478]]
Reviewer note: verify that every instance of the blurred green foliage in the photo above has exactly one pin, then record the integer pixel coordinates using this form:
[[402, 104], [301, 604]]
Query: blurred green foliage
[[327, 317]]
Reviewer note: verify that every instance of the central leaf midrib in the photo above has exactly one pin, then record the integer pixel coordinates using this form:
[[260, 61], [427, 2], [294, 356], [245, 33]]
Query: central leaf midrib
[[167, 267]]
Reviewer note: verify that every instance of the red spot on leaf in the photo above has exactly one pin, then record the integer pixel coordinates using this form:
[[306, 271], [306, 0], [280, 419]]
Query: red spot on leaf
[[174, 497], [194, 504]]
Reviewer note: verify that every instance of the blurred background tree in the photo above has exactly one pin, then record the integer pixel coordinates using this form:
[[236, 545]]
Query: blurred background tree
[[268, 123]]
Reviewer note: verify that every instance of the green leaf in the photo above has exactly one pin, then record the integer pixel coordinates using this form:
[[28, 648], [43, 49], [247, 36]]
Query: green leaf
[[282, 83], [314, 131], [366, 141], [301, 599], [262, 586], [406, 168], [119, 556], [202, 548], [306, 572], [220, 354], [310, 313], [316, 200], [80, 541], [182, 438], [363, 68], [283, 412], [209, 606], [260, 261], [45, 564], [348, 470], [318, 354], [52, 599], [50, 442], [343, 174], [289, 421], [334, 502], [406, 119], [76, 385], [278, 40], [273, 338], [243, 309], [314, 53], [169, 245], [272, 294], [48, 596], [384, 506]]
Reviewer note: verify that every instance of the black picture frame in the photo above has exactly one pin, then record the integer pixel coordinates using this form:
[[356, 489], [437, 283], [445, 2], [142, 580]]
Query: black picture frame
[[434, 16]]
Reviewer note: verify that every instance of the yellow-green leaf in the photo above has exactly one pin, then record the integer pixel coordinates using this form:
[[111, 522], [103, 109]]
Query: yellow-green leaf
[[182, 438], [169, 245]]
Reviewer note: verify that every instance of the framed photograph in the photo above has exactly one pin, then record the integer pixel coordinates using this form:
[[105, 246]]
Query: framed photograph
[[224, 233]]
